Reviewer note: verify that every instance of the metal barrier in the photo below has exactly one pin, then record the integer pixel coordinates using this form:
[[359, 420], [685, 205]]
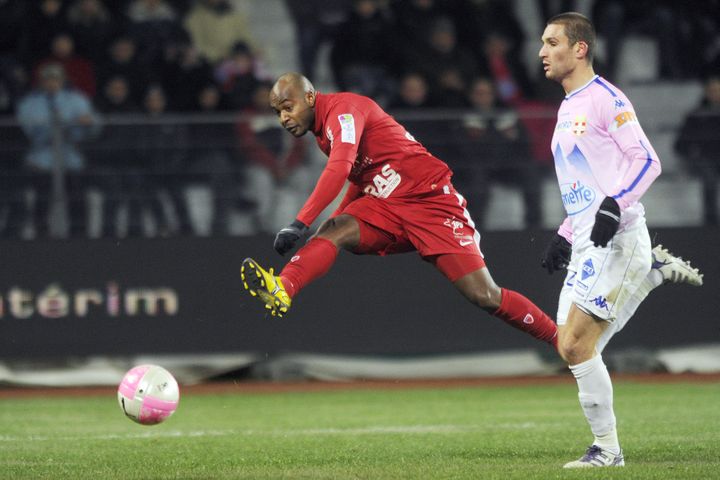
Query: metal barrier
[[232, 174]]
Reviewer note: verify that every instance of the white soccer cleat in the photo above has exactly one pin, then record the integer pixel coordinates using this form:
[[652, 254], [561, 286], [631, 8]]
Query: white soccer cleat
[[675, 269], [597, 457]]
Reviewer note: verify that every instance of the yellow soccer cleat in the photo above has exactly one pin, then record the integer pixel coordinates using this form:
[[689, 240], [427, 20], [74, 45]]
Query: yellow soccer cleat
[[266, 286]]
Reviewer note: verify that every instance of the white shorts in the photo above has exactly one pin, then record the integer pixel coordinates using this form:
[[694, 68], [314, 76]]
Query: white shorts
[[600, 280]]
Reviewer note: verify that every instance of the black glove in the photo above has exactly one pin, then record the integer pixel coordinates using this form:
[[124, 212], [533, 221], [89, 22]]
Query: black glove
[[607, 220], [557, 254], [287, 237]]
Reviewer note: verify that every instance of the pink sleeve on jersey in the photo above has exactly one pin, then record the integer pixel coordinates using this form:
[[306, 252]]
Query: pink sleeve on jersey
[[644, 164], [565, 230], [342, 156]]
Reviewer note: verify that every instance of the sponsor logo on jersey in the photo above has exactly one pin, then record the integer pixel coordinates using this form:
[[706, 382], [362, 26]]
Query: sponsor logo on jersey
[[623, 119], [588, 269], [563, 126], [528, 320], [347, 128], [579, 126], [576, 197], [619, 103], [384, 183]]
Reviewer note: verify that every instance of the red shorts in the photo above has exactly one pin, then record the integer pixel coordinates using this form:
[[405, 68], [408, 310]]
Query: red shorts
[[433, 224]]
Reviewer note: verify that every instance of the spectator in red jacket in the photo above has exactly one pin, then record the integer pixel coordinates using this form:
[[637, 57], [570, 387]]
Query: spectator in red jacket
[[79, 71]]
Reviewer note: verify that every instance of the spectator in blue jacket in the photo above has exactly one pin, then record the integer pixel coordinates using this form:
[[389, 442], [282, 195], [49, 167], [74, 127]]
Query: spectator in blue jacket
[[56, 120]]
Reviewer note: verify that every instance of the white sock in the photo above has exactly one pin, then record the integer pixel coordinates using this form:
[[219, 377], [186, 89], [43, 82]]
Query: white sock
[[654, 279], [595, 392], [651, 282]]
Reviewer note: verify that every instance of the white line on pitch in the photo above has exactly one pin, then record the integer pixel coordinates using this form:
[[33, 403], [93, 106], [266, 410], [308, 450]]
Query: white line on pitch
[[372, 430]]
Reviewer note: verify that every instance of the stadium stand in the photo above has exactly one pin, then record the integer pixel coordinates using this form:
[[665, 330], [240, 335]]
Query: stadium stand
[[165, 56]]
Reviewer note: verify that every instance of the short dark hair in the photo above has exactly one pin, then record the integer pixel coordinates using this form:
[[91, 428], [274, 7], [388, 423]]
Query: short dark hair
[[578, 28]]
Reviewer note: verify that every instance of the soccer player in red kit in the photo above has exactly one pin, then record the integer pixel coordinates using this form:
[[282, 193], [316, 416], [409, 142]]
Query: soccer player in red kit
[[400, 199]]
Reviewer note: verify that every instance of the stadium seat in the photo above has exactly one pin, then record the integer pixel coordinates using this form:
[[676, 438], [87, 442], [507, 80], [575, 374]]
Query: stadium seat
[[638, 61]]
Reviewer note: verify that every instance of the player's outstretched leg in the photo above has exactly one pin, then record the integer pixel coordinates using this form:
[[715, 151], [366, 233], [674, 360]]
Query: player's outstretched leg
[[519, 312], [277, 291], [597, 457], [675, 269], [666, 268], [265, 286]]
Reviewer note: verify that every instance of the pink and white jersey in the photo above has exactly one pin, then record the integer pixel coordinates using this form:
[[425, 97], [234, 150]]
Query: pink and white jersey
[[600, 150]]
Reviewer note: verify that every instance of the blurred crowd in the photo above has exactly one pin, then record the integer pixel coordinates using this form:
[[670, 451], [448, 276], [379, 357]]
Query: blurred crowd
[[454, 70], [133, 46]]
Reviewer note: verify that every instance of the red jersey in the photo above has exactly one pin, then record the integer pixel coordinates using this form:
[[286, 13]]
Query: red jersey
[[368, 147]]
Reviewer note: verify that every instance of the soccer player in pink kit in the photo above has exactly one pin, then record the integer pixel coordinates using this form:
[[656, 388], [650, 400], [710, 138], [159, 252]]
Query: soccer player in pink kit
[[604, 164], [400, 199]]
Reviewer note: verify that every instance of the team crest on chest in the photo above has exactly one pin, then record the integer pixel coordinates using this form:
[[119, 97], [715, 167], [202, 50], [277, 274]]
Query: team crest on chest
[[579, 125]]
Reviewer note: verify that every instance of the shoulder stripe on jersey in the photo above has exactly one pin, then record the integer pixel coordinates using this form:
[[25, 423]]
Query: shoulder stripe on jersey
[[580, 89], [604, 85], [644, 170]]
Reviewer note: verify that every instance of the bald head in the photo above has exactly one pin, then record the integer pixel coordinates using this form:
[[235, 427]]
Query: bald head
[[293, 80], [293, 100]]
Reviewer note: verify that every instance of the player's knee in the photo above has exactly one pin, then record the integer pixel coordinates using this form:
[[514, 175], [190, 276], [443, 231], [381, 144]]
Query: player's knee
[[325, 227], [487, 297], [574, 350], [479, 289], [342, 230]]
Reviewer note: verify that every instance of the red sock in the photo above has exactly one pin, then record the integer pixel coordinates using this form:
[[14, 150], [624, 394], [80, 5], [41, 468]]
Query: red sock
[[310, 262], [519, 312]]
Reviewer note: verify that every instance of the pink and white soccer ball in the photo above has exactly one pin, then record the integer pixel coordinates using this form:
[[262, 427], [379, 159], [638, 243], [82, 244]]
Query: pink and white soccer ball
[[148, 394]]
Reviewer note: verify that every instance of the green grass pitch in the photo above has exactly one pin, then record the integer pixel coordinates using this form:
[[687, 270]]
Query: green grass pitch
[[668, 431]]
